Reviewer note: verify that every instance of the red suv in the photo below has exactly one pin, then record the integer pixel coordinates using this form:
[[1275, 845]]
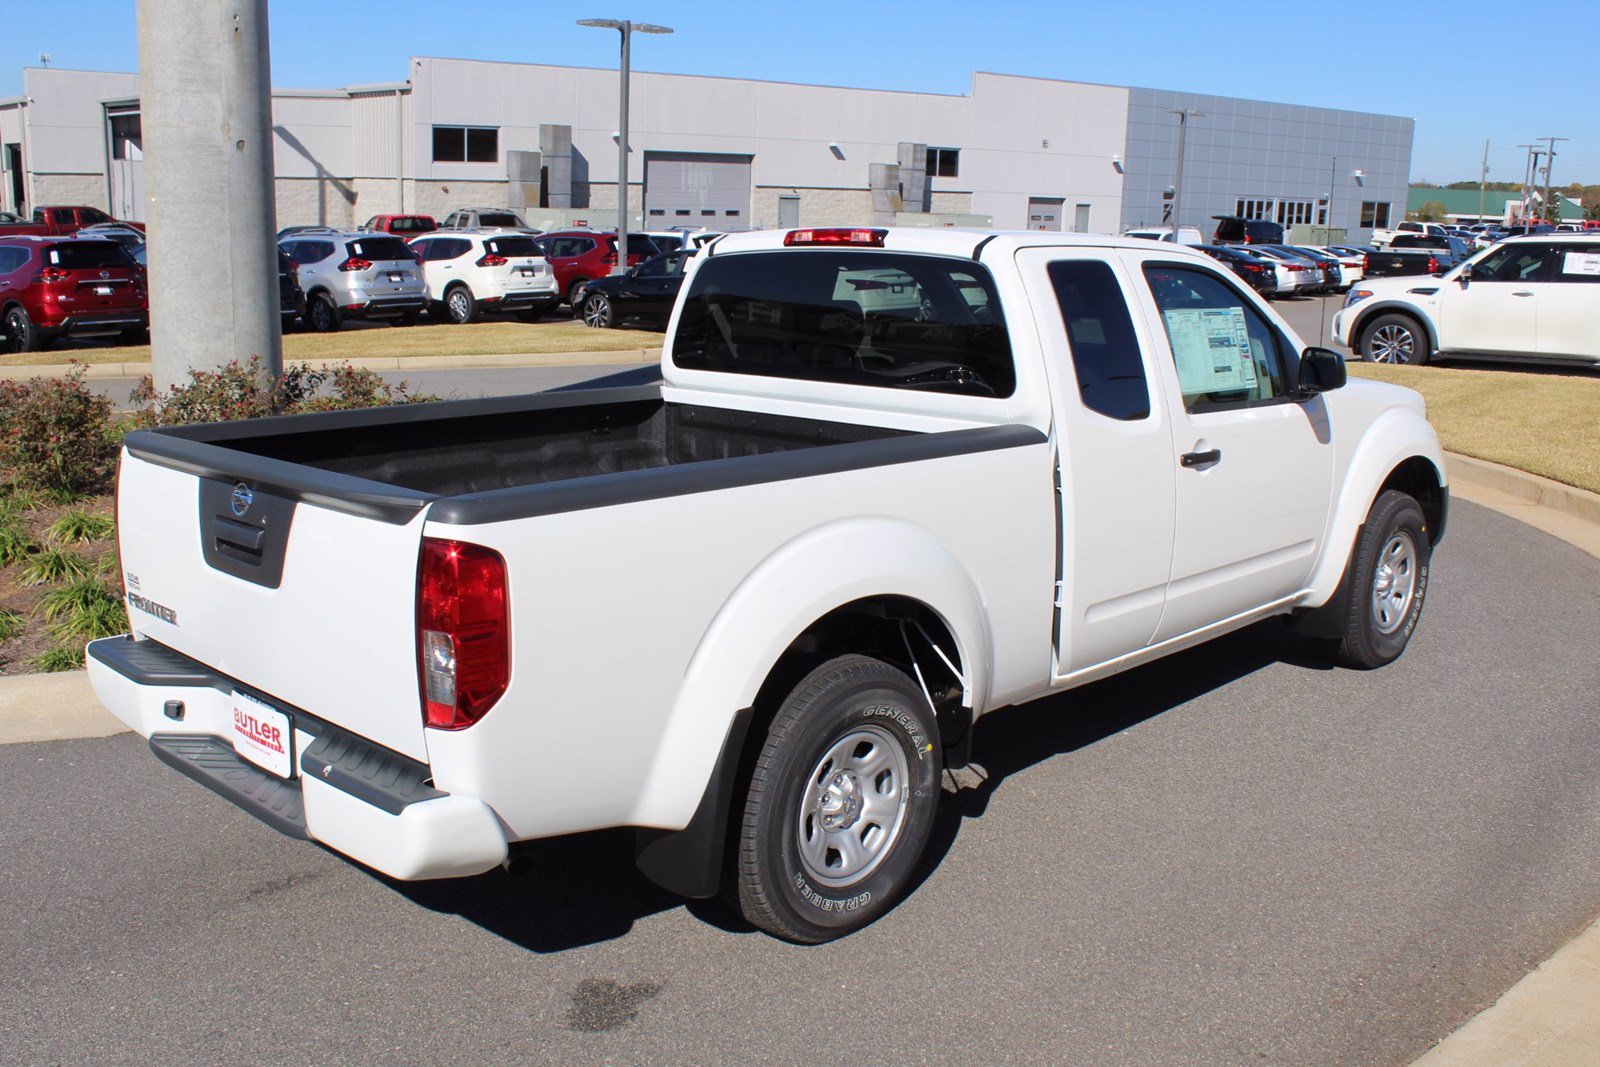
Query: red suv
[[54, 286], [579, 256], [401, 225]]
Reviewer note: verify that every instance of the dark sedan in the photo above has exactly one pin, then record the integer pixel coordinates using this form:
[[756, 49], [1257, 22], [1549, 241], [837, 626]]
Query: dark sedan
[[1258, 273], [645, 294]]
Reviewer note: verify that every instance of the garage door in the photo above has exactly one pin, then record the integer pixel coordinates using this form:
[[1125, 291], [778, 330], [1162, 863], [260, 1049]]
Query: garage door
[[696, 189]]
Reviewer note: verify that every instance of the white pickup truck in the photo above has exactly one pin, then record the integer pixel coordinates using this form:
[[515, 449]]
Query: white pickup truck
[[1381, 238], [890, 481]]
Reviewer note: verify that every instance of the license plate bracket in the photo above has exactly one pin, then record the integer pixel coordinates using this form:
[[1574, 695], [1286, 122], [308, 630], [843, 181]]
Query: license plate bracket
[[263, 735]]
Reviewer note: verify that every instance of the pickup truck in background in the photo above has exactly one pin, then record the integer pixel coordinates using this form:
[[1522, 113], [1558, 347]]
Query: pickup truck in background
[[1382, 237], [64, 221], [1409, 253], [890, 481]]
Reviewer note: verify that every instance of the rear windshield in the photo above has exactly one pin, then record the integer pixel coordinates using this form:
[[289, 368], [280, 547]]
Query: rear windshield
[[380, 247], [511, 246], [86, 255], [498, 218], [638, 245], [411, 224], [858, 318]]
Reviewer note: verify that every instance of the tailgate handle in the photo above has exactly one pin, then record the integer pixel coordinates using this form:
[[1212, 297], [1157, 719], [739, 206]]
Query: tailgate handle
[[240, 536]]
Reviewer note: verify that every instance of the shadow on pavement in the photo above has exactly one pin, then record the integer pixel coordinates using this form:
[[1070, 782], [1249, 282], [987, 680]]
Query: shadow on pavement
[[584, 889]]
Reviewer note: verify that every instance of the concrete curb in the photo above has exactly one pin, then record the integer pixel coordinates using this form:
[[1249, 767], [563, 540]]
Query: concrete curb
[[1567, 499], [509, 359]]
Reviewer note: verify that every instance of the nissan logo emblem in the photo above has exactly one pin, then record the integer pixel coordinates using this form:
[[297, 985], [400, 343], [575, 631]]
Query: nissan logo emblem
[[105, 274], [242, 498]]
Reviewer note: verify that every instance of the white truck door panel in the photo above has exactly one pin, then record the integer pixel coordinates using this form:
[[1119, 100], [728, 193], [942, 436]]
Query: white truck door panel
[[1114, 449], [1254, 468]]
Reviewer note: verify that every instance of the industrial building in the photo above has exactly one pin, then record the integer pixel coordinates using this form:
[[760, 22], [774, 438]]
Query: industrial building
[[1014, 152]]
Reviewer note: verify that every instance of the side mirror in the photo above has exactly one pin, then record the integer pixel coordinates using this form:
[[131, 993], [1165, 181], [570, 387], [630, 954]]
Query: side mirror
[[1320, 370], [1466, 274]]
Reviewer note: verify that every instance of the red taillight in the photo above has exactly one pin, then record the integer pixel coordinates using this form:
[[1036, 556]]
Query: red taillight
[[1254, 268], [52, 275], [353, 264], [1366, 264], [489, 259], [463, 632], [837, 236]]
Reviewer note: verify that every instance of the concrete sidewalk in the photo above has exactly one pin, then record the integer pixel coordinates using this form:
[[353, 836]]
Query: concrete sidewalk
[[508, 359]]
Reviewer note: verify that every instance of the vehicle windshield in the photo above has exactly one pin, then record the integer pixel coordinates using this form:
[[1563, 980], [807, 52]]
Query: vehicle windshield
[[849, 317], [87, 255]]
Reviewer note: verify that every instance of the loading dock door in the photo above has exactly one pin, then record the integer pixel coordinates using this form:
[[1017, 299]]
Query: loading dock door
[[696, 189], [1044, 213]]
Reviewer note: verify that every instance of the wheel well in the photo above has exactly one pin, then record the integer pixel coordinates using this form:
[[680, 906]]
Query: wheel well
[[453, 286], [1366, 320], [880, 627], [1418, 478]]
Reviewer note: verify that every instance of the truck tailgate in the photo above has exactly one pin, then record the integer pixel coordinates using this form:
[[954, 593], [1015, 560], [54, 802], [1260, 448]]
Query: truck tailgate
[[312, 606]]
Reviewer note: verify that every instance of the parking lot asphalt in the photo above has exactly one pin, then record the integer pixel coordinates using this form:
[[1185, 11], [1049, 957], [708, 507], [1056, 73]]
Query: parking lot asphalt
[[1234, 855]]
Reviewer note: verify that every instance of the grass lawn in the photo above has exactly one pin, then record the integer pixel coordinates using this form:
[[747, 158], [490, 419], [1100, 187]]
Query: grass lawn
[[1545, 423], [367, 340]]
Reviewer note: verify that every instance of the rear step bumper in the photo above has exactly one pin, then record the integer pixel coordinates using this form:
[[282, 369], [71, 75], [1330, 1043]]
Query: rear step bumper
[[364, 801]]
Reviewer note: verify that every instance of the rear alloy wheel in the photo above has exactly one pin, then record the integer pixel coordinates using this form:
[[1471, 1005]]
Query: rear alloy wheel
[[597, 311], [321, 314], [840, 802], [1394, 339], [21, 334], [460, 306]]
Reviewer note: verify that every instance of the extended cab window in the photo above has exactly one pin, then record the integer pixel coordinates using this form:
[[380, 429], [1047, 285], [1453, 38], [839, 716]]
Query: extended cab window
[[891, 320], [1227, 355], [1105, 353]]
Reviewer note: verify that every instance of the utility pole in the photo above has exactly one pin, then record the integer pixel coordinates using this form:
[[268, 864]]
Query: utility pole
[[1184, 115], [1527, 181], [206, 101], [1550, 158], [1483, 180]]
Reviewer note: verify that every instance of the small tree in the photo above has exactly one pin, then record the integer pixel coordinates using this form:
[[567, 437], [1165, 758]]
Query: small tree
[[1431, 211]]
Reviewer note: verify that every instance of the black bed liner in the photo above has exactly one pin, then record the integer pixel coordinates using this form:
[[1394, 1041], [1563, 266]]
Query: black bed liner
[[498, 458]]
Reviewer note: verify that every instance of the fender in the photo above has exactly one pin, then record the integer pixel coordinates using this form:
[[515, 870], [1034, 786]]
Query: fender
[[1392, 438], [1382, 304], [803, 580]]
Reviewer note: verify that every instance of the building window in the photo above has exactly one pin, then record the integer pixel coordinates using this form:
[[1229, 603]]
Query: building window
[[466, 144], [944, 162], [127, 137], [1374, 215]]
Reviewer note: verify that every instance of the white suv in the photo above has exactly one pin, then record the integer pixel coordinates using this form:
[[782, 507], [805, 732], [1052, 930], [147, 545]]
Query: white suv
[[355, 275], [472, 271], [1535, 298]]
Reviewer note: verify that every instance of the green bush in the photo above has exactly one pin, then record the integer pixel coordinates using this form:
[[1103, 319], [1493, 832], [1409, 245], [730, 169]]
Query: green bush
[[15, 544], [243, 391], [59, 659], [11, 624], [81, 525], [54, 565], [56, 435], [18, 499], [84, 609]]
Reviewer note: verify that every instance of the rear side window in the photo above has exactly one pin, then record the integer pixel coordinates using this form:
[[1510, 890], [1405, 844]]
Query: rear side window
[[1105, 352], [380, 248], [12, 258], [87, 255], [851, 317], [638, 245], [1575, 263], [450, 248], [511, 246]]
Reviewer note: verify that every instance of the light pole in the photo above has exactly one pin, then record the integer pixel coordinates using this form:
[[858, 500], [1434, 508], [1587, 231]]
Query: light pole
[[1184, 115], [627, 30], [1529, 164], [1549, 158]]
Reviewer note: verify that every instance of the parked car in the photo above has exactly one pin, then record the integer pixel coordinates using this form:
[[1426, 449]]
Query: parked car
[[1187, 235], [119, 232], [53, 287], [1304, 275], [469, 272], [667, 240], [291, 296], [1259, 272], [645, 294], [397, 631], [1534, 298], [356, 275], [486, 218], [579, 256], [401, 225], [65, 220], [1381, 238], [295, 231], [1234, 230], [1332, 269], [1352, 261]]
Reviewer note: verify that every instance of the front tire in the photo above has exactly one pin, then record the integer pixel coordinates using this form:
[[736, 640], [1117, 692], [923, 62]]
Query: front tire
[[1388, 582], [1396, 339], [460, 306], [840, 803], [597, 311]]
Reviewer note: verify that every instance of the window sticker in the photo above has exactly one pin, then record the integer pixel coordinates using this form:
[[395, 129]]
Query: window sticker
[[1585, 263], [1212, 349]]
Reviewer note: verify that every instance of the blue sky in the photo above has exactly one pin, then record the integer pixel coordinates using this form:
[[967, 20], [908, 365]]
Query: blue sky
[[1355, 54]]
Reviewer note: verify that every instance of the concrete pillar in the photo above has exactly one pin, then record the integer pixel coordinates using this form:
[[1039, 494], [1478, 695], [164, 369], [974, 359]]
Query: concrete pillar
[[555, 146], [206, 97]]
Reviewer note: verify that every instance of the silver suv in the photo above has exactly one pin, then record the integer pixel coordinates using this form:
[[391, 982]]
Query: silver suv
[[356, 275], [486, 218]]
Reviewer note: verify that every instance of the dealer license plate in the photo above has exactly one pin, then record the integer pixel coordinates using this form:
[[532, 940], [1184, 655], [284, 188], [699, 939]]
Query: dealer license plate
[[263, 735], [103, 290]]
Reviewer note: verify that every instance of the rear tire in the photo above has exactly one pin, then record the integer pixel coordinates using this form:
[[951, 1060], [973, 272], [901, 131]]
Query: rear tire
[[840, 803], [322, 315], [1394, 338], [1388, 582], [460, 306], [21, 334]]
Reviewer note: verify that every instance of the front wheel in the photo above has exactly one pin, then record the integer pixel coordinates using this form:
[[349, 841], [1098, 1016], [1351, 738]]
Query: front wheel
[[1388, 582], [597, 311], [460, 307], [1394, 339], [840, 803]]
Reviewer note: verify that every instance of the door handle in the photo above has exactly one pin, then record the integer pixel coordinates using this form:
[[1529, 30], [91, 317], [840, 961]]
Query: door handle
[[1523, 292], [1200, 459]]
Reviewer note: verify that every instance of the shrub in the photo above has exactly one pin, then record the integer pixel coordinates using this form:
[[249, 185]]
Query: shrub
[[59, 659], [15, 544], [81, 526], [11, 624], [54, 565], [84, 610], [55, 434], [243, 391], [18, 499]]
